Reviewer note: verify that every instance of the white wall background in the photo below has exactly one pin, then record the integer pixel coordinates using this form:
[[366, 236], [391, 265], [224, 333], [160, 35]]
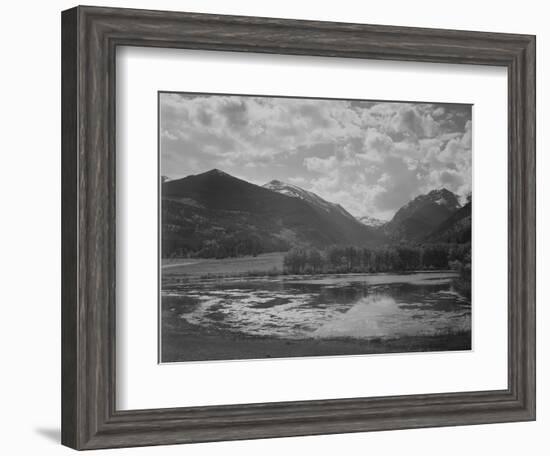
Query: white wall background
[[30, 228]]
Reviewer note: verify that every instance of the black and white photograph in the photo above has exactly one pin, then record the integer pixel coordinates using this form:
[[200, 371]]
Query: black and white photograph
[[275, 228], [313, 227]]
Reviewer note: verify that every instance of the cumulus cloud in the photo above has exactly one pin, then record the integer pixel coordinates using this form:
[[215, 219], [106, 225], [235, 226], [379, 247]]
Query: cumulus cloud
[[409, 122], [376, 145], [370, 157], [321, 165]]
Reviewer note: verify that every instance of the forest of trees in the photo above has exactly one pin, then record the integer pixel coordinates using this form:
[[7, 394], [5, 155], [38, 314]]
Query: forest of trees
[[221, 245], [230, 246], [341, 260], [463, 284]]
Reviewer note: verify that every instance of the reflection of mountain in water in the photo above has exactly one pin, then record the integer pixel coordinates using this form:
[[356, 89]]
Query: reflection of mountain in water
[[381, 316], [352, 306]]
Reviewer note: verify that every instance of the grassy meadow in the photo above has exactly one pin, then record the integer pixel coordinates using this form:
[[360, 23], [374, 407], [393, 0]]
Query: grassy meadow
[[264, 263]]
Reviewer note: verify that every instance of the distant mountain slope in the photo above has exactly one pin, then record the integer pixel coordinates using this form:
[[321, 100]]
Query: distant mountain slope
[[457, 228], [371, 221], [216, 214], [418, 218], [309, 197]]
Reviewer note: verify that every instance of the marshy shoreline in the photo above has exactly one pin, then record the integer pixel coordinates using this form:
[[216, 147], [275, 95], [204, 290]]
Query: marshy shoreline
[[215, 309], [187, 342]]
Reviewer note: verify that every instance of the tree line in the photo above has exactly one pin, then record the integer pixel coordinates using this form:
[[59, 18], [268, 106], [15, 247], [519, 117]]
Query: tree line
[[221, 246], [463, 283], [350, 259]]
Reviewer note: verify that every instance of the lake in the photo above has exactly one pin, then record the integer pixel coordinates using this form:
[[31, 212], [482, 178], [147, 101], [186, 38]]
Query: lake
[[243, 318]]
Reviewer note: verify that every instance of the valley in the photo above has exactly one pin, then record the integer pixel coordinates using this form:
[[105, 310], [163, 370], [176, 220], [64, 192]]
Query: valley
[[301, 226], [215, 215], [253, 271]]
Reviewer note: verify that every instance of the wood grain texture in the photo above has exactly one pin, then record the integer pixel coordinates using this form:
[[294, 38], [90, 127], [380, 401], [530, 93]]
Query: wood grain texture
[[89, 39], [69, 234]]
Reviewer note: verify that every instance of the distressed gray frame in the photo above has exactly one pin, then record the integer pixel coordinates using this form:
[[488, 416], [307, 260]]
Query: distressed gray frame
[[90, 36]]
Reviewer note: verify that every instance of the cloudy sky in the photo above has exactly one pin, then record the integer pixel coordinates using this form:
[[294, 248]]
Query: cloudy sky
[[371, 157]]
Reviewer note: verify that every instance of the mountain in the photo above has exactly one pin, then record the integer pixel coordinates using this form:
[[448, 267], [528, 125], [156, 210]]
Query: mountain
[[371, 221], [332, 212], [314, 200], [457, 228], [216, 214], [421, 216]]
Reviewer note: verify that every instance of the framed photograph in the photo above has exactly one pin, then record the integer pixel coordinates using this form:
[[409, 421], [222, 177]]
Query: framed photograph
[[338, 237], [280, 228]]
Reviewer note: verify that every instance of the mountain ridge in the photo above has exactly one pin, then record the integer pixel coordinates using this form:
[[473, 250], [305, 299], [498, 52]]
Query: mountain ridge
[[217, 214], [421, 215], [214, 213], [457, 228], [314, 199]]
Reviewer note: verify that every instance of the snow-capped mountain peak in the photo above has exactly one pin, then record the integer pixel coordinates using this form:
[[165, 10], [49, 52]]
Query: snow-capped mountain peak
[[297, 192], [444, 197], [315, 200], [423, 214], [371, 221]]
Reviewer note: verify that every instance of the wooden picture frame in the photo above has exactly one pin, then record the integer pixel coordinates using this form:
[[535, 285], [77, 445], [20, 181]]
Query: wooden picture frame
[[90, 36]]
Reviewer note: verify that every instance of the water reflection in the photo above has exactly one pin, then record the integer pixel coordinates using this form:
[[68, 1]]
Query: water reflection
[[351, 306]]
